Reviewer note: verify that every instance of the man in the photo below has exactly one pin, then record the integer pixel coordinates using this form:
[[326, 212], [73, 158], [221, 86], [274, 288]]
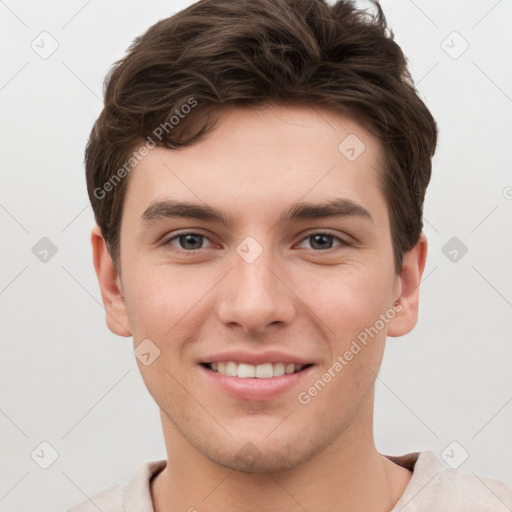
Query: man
[[284, 141]]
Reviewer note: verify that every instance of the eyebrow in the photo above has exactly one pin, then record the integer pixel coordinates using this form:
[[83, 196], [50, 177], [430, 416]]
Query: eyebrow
[[169, 208]]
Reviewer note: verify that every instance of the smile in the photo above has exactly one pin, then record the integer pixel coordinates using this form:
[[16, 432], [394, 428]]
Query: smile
[[260, 371], [255, 382]]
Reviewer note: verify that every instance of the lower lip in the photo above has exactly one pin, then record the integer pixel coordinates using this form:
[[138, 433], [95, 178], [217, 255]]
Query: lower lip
[[254, 388]]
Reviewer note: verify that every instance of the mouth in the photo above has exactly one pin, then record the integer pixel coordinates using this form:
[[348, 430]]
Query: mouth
[[260, 371], [255, 382]]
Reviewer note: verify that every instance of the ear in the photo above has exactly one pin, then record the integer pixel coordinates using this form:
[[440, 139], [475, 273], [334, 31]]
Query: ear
[[410, 279], [110, 285]]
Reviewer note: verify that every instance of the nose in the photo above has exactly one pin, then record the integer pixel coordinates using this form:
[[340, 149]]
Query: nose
[[255, 296]]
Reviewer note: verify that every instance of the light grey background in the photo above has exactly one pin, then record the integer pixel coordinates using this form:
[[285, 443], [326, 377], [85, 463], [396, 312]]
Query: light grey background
[[66, 380]]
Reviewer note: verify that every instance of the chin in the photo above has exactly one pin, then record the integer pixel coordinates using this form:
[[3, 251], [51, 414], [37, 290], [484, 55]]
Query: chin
[[254, 461], [262, 456]]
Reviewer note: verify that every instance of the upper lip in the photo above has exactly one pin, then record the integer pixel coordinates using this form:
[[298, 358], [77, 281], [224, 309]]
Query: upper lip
[[255, 358]]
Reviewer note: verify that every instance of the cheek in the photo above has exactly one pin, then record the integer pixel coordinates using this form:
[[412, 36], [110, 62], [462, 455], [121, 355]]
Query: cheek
[[347, 300], [151, 299], [350, 305], [163, 301]]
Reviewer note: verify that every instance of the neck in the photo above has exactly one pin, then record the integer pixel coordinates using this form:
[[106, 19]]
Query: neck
[[349, 474]]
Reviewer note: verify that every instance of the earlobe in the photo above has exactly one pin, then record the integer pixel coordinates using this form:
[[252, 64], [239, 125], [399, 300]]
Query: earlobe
[[410, 279], [110, 286]]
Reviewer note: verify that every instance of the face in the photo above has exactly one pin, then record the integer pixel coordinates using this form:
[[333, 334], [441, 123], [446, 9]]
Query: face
[[264, 249]]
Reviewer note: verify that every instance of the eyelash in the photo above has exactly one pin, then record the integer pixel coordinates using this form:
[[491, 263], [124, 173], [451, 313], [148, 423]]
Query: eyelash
[[332, 234]]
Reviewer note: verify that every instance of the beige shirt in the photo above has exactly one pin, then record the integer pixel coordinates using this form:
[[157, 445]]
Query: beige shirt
[[432, 488]]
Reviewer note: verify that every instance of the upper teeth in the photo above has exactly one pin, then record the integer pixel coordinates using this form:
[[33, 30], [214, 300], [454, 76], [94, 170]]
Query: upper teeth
[[261, 371]]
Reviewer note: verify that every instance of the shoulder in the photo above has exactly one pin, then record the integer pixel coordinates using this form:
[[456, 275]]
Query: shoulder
[[468, 492], [135, 495], [434, 486], [109, 500]]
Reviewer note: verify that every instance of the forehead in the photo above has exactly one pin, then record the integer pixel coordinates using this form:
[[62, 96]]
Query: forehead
[[255, 161]]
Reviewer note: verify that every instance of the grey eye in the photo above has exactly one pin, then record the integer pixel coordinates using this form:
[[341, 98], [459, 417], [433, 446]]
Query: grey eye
[[321, 241], [188, 241]]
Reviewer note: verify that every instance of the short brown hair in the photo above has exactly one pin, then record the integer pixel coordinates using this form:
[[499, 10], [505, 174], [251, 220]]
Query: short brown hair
[[220, 53]]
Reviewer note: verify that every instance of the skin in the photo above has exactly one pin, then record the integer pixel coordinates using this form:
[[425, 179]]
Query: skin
[[295, 297]]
